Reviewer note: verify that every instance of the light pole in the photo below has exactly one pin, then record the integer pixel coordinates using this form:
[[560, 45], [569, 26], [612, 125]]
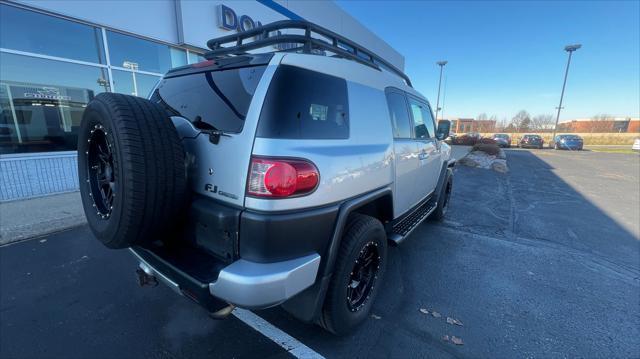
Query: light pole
[[444, 98], [570, 49], [441, 64], [133, 66]]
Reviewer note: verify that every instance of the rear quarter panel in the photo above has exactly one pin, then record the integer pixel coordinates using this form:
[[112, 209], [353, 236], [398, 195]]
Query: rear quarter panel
[[348, 168]]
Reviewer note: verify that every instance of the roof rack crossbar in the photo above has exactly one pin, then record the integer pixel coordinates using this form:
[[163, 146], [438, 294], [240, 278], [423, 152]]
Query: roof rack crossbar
[[264, 36]]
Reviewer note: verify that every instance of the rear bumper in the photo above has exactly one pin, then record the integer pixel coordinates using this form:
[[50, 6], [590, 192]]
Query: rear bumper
[[531, 145], [243, 283], [260, 285], [571, 146], [250, 259]]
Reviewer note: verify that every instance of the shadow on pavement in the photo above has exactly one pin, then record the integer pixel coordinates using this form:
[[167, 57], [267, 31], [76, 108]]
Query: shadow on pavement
[[530, 266], [540, 262]]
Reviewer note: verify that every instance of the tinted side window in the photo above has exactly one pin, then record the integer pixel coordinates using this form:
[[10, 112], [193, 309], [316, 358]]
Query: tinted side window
[[304, 104], [399, 115], [428, 121], [420, 129], [422, 120], [217, 98]]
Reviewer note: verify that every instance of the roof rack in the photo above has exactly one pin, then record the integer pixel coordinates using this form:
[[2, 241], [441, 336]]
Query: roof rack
[[270, 34]]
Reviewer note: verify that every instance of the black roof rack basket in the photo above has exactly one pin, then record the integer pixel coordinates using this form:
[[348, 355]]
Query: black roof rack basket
[[270, 35]]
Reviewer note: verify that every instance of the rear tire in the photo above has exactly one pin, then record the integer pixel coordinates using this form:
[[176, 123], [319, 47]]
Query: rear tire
[[344, 308], [131, 169]]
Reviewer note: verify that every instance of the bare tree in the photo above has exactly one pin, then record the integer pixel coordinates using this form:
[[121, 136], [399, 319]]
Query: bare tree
[[502, 124], [542, 123], [481, 117], [521, 121], [485, 126]]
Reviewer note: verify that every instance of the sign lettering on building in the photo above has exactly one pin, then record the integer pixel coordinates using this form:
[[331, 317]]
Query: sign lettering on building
[[229, 20]]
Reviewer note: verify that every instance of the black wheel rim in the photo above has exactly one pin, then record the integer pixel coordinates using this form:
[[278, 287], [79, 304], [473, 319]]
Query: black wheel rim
[[101, 175], [363, 276]]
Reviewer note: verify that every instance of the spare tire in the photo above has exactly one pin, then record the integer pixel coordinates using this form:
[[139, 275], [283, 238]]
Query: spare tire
[[131, 169]]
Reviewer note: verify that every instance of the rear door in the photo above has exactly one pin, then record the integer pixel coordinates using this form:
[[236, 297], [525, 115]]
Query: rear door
[[428, 147], [405, 153], [204, 99]]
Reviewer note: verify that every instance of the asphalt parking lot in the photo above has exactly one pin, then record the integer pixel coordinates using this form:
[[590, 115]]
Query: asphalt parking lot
[[541, 262]]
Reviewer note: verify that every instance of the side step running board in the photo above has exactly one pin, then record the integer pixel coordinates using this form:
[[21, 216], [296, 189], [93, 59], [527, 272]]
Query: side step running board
[[403, 228]]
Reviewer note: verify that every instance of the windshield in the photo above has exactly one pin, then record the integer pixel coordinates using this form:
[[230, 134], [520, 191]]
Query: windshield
[[570, 137], [501, 135], [218, 98]]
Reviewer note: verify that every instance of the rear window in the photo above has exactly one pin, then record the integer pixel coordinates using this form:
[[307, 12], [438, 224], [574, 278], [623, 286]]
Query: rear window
[[304, 104], [219, 99], [532, 136]]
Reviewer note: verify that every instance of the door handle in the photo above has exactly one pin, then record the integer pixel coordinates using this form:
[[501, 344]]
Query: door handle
[[423, 155]]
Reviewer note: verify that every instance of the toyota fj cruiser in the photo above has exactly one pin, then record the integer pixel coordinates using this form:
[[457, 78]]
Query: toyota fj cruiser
[[264, 179]]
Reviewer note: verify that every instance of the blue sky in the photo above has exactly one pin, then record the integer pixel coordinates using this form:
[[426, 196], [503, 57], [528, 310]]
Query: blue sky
[[508, 56]]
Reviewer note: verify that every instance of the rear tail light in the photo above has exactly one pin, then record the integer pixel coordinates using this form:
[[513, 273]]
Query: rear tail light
[[280, 178]]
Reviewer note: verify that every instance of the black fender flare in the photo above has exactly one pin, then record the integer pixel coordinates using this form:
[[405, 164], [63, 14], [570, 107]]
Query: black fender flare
[[442, 177], [306, 306]]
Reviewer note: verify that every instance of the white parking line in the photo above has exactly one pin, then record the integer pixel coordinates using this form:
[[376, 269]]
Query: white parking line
[[289, 343]]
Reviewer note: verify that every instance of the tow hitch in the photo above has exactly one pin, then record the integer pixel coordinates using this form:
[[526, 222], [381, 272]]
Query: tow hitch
[[145, 277], [217, 309]]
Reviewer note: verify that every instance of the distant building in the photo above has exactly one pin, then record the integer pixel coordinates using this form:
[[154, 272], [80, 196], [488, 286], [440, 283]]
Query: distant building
[[607, 125], [464, 125]]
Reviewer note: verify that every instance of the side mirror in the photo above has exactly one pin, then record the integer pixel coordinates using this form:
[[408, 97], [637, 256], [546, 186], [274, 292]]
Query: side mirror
[[444, 126]]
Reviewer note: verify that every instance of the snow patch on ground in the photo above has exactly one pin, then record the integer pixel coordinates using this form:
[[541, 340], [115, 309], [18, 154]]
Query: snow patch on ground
[[481, 159]]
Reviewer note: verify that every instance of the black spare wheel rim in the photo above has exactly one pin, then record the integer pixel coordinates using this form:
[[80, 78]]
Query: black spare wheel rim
[[101, 174], [363, 276]]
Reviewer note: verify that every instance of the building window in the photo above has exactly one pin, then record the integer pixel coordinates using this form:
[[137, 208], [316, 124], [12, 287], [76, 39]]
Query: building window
[[29, 31], [52, 67], [41, 102], [195, 58], [134, 83], [127, 51]]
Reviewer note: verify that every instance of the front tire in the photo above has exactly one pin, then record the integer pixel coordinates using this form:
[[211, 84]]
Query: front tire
[[357, 275]]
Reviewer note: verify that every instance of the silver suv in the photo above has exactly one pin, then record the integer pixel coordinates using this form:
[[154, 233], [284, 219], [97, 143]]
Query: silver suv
[[279, 178]]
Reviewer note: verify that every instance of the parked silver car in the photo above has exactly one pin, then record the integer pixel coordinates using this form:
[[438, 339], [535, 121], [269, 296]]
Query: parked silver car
[[502, 139]]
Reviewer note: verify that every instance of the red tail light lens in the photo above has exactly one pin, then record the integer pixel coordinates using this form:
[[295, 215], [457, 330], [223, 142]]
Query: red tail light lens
[[279, 178]]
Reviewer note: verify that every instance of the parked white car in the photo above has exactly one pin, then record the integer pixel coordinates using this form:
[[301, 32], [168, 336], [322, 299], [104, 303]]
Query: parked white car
[[636, 144]]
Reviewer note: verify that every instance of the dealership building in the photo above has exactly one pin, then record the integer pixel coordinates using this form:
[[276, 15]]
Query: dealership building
[[56, 55]]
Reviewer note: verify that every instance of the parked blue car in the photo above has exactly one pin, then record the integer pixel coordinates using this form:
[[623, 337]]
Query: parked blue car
[[567, 142]]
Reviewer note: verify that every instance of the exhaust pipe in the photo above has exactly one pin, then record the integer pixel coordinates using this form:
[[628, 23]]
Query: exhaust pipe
[[223, 313]]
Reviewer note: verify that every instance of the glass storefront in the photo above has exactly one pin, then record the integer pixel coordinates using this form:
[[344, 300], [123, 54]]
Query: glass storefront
[[146, 55], [38, 33], [134, 83], [41, 102], [51, 67]]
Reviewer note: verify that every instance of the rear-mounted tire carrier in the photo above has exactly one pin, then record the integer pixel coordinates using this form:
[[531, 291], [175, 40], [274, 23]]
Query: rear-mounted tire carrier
[[130, 153]]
